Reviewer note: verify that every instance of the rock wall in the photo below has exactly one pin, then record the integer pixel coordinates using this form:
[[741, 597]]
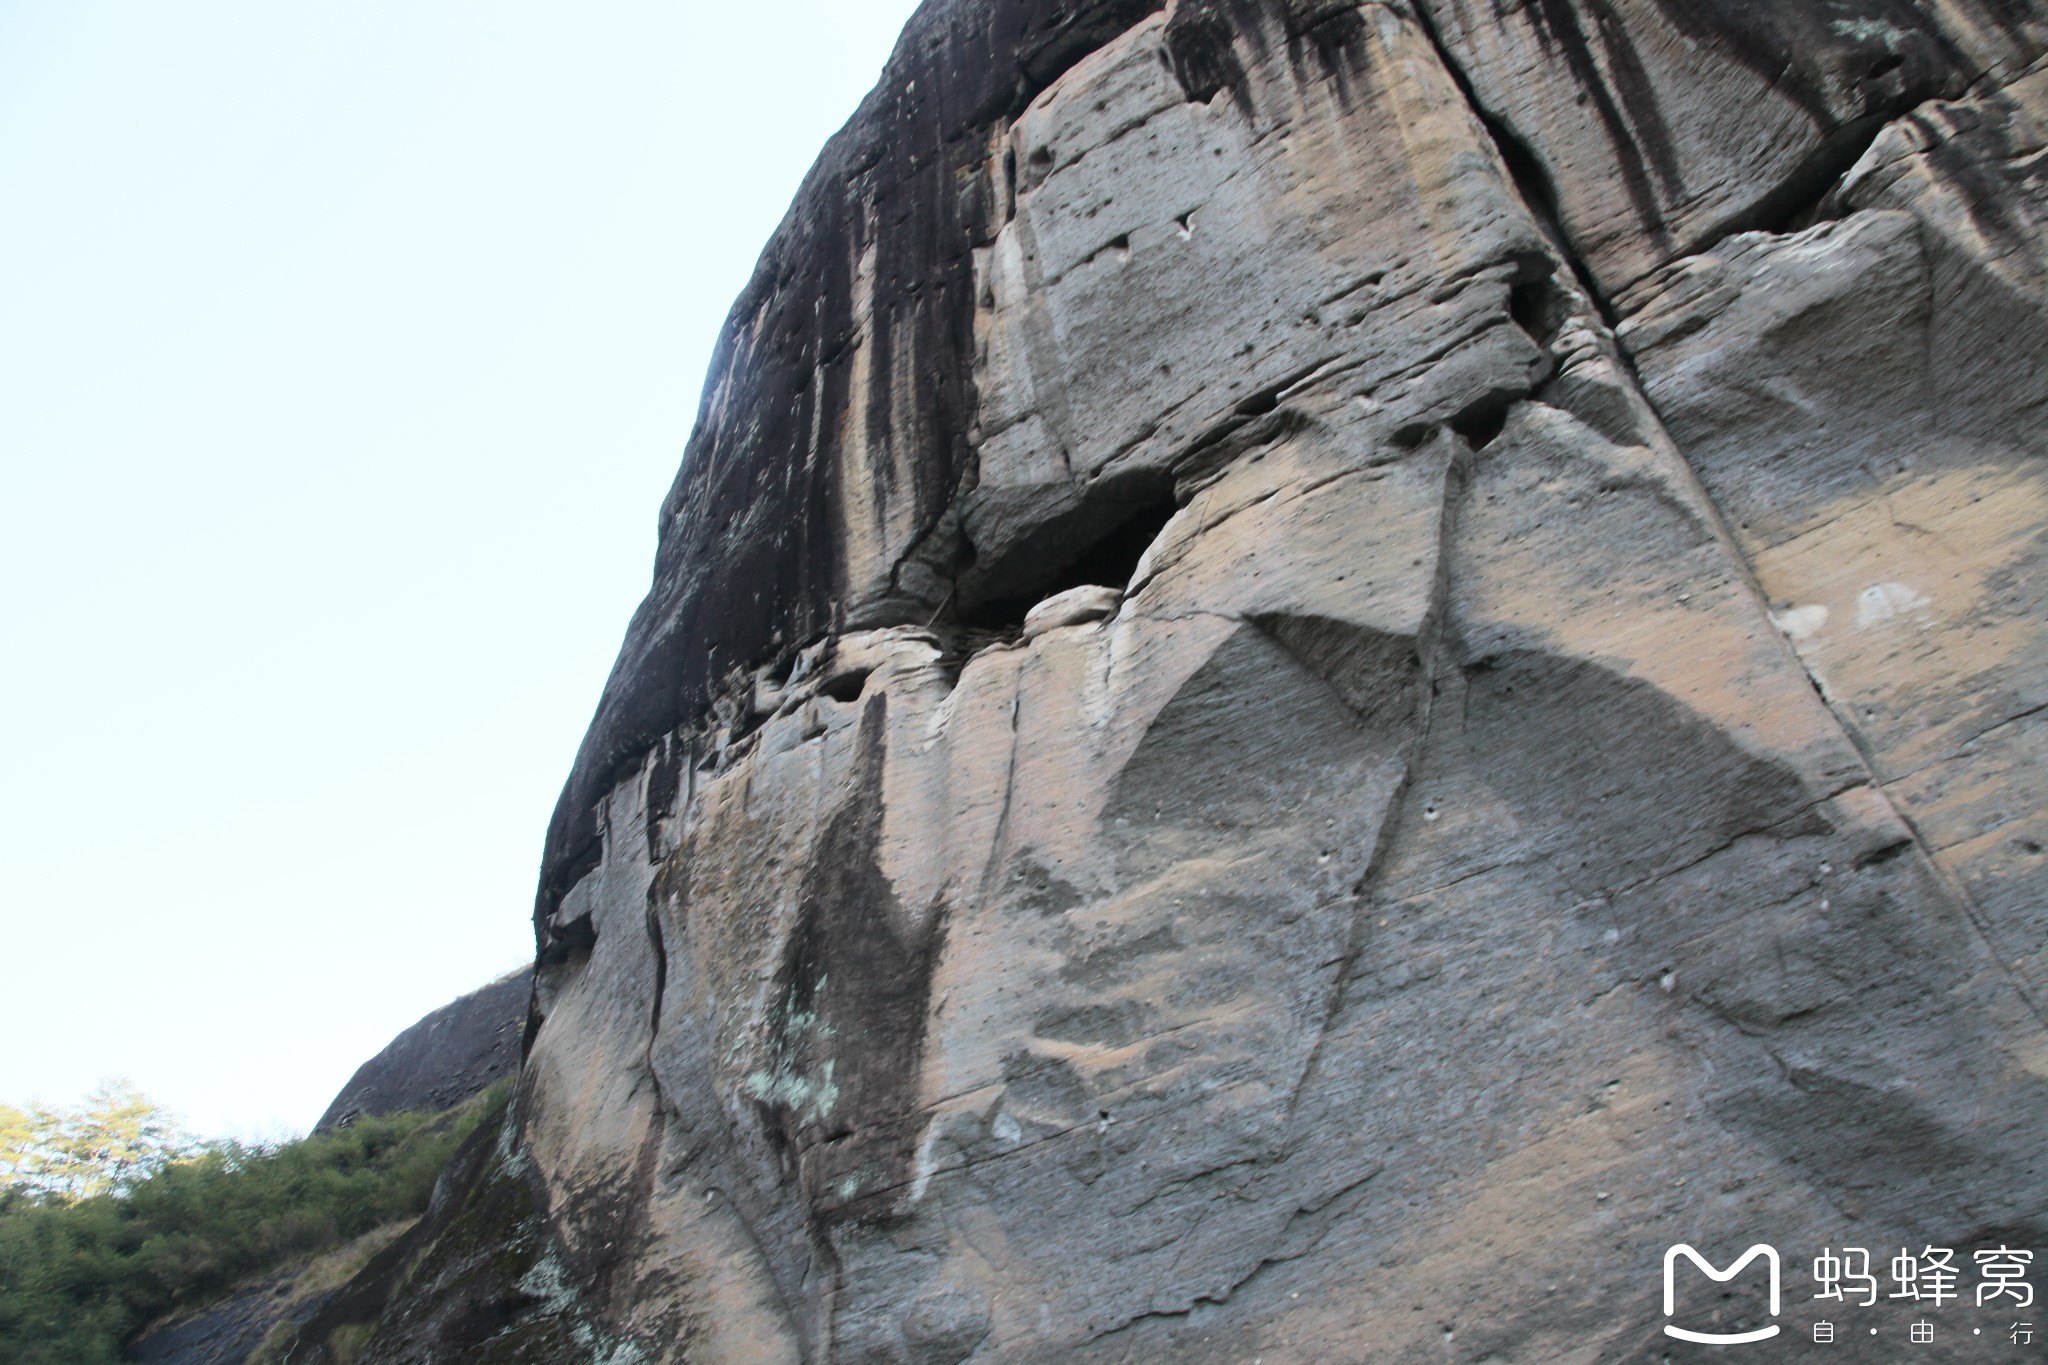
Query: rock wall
[[1320, 673]]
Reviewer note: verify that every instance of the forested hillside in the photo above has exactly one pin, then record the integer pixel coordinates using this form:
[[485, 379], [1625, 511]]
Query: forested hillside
[[111, 1220]]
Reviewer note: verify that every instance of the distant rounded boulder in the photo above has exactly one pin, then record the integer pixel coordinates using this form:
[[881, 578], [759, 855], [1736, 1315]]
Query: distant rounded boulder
[[453, 1053]]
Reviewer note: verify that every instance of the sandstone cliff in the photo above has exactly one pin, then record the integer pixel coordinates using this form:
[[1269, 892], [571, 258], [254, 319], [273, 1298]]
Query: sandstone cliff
[[1320, 672]]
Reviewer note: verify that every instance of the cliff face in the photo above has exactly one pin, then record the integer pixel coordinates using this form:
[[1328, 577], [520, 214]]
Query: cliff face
[[1319, 674]]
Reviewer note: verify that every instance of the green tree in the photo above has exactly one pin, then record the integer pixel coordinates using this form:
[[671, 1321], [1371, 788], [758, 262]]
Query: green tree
[[18, 1129], [79, 1276], [104, 1145]]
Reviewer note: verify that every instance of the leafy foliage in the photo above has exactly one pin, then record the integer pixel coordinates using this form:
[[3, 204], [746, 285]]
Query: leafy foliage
[[105, 1144], [80, 1276]]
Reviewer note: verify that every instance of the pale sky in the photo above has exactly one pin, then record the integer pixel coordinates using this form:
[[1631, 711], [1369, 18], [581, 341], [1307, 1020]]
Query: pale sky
[[346, 350]]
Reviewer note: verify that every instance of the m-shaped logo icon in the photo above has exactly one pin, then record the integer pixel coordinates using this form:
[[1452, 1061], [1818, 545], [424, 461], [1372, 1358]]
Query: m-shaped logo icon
[[1770, 1255]]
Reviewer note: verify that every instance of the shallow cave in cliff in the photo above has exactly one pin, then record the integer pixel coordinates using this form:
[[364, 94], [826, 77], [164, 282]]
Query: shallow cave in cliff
[[1101, 545]]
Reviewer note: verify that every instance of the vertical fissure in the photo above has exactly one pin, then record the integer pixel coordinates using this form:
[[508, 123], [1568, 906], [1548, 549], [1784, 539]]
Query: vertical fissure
[[1531, 181], [1429, 655], [1541, 198]]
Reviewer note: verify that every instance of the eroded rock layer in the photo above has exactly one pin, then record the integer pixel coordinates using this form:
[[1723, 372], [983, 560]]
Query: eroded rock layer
[[1320, 673]]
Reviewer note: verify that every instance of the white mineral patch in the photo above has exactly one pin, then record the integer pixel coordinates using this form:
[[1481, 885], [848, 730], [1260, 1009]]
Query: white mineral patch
[[1880, 602], [1801, 622]]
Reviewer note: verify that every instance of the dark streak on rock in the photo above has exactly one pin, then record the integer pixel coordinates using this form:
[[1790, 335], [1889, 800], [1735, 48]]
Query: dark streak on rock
[[1531, 177], [659, 947], [1558, 28], [664, 784], [1638, 96], [1201, 46], [1849, 66], [1338, 38], [854, 991], [1831, 58], [750, 552], [1987, 202]]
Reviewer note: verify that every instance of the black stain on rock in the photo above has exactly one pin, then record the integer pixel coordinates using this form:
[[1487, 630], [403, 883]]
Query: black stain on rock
[[751, 547], [1337, 37], [1986, 142], [1840, 60], [1116, 1024], [1201, 48], [1119, 962], [1048, 1086], [664, 786], [1037, 889], [840, 1098], [1849, 65], [1639, 144]]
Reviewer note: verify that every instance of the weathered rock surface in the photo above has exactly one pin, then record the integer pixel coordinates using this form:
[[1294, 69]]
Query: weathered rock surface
[[449, 1056], [226, 1333], [1555, 768]]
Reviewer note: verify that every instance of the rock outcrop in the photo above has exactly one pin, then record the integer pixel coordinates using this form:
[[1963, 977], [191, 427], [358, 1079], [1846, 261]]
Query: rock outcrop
[[223, 1333], [451, 1055], [1320, 673]]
